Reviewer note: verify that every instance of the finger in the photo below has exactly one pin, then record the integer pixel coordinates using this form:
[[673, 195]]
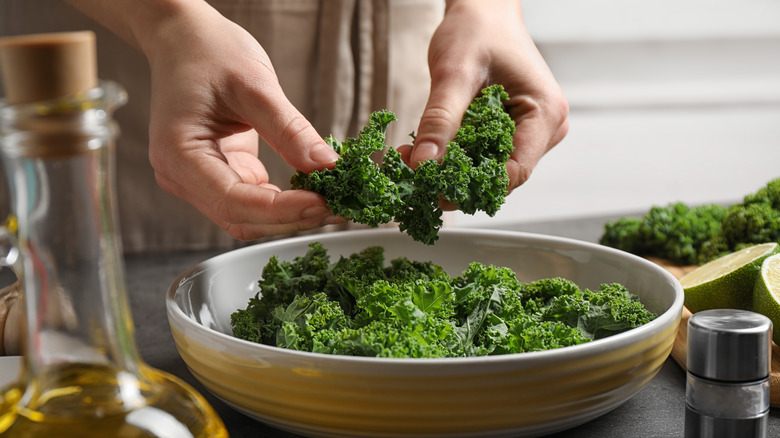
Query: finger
[[219, 192], [447, 205], [247, 203], [256, 210], [406, 152], [312, 213], [241, 152], [535, 135], [226, 195], [250, 211], [248, 232], [441, 118], [285, 129]]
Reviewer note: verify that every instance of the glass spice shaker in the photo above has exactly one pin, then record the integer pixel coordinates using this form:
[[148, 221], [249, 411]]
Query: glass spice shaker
[[81, 372], [729, 361]]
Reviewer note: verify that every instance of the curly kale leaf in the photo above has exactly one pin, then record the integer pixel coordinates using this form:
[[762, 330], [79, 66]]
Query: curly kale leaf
[[359, 306], [412, 336], [281, 282], [527, 333], [420, 214], [611, 309], [404, 270], [751, 223], [474, 174], [696, 235], [309, 323], [675, 232], [770, 194], [356, 188], [681, 230], [471, 174]]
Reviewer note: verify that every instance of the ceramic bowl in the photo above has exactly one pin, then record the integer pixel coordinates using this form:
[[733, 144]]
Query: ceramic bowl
[[527, 394]]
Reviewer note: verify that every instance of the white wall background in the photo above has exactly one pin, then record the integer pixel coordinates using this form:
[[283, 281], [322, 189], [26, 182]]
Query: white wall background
[[670, 101]]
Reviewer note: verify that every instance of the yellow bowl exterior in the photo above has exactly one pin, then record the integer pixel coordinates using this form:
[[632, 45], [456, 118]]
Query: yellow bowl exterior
[[332, 402]]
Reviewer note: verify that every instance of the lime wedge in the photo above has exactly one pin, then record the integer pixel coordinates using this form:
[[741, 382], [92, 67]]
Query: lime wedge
[[767, 293], [726, 282]]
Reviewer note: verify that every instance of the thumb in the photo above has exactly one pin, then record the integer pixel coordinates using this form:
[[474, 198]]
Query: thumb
[[440, 120]]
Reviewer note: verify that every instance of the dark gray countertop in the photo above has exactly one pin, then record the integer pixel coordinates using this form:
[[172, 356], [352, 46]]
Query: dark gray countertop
[[657, 410]]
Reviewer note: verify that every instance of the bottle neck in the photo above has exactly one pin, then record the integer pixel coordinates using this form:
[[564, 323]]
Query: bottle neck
[[59, 165]]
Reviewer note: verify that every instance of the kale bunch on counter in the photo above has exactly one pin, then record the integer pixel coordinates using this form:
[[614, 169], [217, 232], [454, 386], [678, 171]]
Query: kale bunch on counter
[[361, 306], [471, 174], [690, 235]]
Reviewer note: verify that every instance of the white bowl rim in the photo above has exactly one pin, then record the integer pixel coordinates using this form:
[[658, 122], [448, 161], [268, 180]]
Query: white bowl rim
[[571, 352]]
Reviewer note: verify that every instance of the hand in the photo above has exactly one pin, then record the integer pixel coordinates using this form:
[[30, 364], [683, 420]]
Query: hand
[[213, 90], [478, 44]]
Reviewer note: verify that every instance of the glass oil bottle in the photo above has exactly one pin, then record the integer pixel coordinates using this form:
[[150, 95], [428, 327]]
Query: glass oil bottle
[[81, 372]]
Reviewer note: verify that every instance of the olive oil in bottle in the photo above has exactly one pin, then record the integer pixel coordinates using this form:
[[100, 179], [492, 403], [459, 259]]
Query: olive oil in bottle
[[81, 372]]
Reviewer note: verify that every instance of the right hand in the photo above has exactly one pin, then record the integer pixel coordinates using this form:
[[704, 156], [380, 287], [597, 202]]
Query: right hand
[[478, 44]]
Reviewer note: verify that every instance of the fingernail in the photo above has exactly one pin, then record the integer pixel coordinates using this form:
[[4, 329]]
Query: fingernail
[[425, 151], [323, 154], [333, 220]]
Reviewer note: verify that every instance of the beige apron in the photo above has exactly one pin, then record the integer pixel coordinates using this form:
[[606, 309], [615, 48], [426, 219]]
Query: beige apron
[[337, 60]]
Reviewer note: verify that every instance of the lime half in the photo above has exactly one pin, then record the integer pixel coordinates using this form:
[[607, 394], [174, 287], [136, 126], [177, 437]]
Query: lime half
[[726, 282], [767, 293]]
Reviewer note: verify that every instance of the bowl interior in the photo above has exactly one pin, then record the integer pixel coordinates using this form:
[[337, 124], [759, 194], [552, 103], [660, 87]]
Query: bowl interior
[[211, 291]]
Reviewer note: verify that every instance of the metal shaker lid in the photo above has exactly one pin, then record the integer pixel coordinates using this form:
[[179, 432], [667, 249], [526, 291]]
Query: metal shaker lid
[[729, 345]]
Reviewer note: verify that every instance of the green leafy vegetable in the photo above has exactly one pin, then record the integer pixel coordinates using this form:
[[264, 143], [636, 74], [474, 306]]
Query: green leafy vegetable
[[471, 174], [361, 306], [356, 187], [696, 235]]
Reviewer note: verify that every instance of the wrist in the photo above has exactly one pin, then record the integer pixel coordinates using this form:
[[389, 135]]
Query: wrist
[[481, 5], [141, 23], [485, 13]]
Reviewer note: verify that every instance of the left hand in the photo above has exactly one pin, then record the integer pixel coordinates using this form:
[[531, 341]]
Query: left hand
[[481, 43]]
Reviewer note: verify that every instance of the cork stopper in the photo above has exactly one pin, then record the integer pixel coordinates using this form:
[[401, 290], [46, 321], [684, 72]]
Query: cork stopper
[[46, 66]]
